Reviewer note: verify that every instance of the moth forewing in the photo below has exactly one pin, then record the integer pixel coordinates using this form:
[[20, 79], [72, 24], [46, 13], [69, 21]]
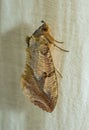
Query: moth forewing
[[32, 89]]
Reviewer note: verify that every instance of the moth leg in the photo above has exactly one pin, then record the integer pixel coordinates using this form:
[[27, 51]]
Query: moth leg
[[59, 73]]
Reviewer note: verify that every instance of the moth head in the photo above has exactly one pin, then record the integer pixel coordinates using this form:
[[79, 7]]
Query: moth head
[[44, 30]]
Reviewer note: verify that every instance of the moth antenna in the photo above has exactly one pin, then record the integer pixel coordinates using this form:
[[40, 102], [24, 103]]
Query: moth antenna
[[59, 42], [61, 48]]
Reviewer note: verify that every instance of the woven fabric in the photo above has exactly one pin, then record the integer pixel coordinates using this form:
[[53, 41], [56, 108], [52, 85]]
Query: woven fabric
[[69, 22]]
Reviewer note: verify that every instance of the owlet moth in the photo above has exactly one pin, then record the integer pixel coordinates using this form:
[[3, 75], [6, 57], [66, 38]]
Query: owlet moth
[[39, 80]]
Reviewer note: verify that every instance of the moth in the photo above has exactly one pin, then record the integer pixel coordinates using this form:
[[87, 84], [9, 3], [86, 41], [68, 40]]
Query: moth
[[39, 80]]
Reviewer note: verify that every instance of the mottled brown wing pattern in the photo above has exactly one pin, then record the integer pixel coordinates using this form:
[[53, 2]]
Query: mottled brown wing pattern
[[45, 64], [39, 79]]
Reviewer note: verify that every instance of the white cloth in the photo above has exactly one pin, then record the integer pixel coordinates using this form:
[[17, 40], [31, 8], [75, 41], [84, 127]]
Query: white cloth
[[69, 22]]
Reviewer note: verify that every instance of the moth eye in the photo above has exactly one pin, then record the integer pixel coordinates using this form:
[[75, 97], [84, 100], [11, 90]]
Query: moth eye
[[44, 29]]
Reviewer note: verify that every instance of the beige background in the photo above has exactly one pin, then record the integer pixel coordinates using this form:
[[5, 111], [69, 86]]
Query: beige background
[[69, 22]]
